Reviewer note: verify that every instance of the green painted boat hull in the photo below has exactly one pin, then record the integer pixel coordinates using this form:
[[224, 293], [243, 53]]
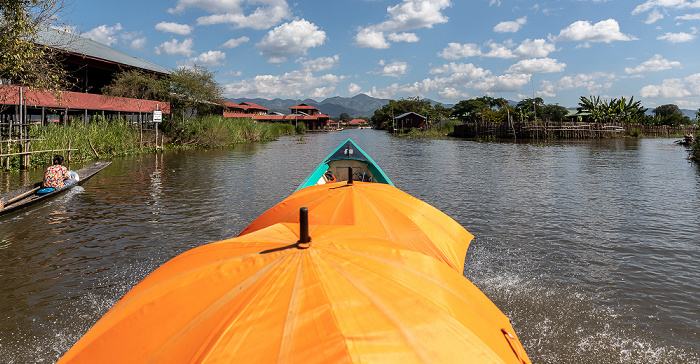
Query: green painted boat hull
[[348, 150]]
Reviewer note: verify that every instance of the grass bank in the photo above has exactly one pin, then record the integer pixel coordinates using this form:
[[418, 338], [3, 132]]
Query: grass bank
[[121, 138], [435, 131]]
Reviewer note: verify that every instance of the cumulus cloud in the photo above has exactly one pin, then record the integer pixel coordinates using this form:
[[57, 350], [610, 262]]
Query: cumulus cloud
[[595, 82], [291, 39], [654, 64], [408, 15], [320, 64], [368, 38], [510, 26], [104, 34], [393, 69], [291, 84], [354, 89], [209, 58], [167, 27], [455, 51], [673, 88], [583, 31], [138, 43], [233, 43], [403, 37], [254, 14], [529, 48], [677, 37], [175, 47], [503, 83], [537, 65], [535, 48]]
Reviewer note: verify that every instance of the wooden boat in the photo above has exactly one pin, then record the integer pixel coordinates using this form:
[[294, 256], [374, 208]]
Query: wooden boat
[[27, 195], [336, 167], [363, 272]]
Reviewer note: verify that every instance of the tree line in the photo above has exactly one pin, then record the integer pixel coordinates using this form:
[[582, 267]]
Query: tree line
[[495, 110]]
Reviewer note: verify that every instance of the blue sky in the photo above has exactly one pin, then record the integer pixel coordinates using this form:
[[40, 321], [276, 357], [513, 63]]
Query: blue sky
[[444, 50]]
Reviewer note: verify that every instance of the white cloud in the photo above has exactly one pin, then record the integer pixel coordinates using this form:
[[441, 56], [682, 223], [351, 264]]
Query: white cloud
[[354, 89], [455, 51], [653, 17], [408, 15], [535, 48], [594, 82], [510, 26], [403, 37], [320, 64], [676, 37], [233, 43], [291, 39], [500, 50], [254, 14], [653, 64], [529, 48], [673, 88], [167, 27], [367, 38], [174, 47], [503, 83], [104, 34], [291, 84], [451, 93], [537, 65], [138, 43], [209, 58], [689, 17], [393, 69], [674, 4], [583, 31]]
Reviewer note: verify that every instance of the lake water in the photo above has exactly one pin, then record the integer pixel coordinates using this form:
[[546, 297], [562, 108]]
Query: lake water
[[592, 248]]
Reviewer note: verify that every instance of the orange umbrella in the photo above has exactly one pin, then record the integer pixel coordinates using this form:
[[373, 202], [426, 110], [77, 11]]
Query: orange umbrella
[[380, 209], [346, 296]]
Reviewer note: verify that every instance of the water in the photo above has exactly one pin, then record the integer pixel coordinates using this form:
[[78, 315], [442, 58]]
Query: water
[[591, 248]]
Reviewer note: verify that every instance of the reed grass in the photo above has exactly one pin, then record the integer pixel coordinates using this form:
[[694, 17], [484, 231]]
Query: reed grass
[[121, 137]]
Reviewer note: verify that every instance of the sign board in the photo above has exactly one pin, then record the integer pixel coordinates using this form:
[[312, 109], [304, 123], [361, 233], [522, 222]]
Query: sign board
[[157, 116]]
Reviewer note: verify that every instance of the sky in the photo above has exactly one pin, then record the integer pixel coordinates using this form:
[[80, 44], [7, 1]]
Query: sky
[[441, 50]]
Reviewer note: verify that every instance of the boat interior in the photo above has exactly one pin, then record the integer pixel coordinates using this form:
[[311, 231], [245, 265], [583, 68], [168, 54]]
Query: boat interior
[[339, 171]]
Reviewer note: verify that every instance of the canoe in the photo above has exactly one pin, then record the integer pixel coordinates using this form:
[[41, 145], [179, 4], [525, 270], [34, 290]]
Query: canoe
[[336, 166], [27, 195], [314, 285]]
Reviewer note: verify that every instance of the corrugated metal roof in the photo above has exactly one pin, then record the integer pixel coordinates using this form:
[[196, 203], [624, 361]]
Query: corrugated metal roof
[[80, 45]]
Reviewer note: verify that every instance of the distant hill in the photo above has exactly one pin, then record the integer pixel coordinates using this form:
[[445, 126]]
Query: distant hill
[[357, 106]]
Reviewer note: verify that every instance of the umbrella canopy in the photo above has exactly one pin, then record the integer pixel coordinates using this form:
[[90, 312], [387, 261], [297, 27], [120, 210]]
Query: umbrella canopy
[[258, 298], [381, 210]]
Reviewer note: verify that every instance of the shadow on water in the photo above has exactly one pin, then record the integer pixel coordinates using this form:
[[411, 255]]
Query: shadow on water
[[589, 247]]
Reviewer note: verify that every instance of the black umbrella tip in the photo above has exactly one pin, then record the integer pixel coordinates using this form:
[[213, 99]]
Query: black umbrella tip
[[304, 238]]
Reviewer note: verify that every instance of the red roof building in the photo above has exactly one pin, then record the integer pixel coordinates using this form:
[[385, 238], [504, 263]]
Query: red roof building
[[309, 115]]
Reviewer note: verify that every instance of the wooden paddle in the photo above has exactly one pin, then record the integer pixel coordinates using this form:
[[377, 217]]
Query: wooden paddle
[[22, 196]]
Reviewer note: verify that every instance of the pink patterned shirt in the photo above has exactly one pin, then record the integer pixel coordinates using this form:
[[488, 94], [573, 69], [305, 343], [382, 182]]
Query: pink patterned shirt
[[55, 175]]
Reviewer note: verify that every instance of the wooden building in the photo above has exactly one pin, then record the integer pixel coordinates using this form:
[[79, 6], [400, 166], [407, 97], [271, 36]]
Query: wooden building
[[302, 113], [410, 120]]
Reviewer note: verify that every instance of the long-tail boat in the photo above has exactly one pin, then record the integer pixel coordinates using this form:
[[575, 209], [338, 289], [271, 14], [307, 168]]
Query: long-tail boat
[[362, 272], [31, 194]]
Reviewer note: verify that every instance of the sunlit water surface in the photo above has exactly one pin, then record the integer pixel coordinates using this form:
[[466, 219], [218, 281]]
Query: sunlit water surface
[[592, 248]]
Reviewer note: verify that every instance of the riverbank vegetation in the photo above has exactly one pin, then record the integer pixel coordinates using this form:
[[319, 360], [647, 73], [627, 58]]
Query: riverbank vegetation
[[118, 138]]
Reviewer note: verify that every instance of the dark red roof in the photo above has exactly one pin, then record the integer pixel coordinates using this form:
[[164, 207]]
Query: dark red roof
[[81, 101]]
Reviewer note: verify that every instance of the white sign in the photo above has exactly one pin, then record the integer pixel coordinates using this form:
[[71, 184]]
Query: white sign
[[157, 116]]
